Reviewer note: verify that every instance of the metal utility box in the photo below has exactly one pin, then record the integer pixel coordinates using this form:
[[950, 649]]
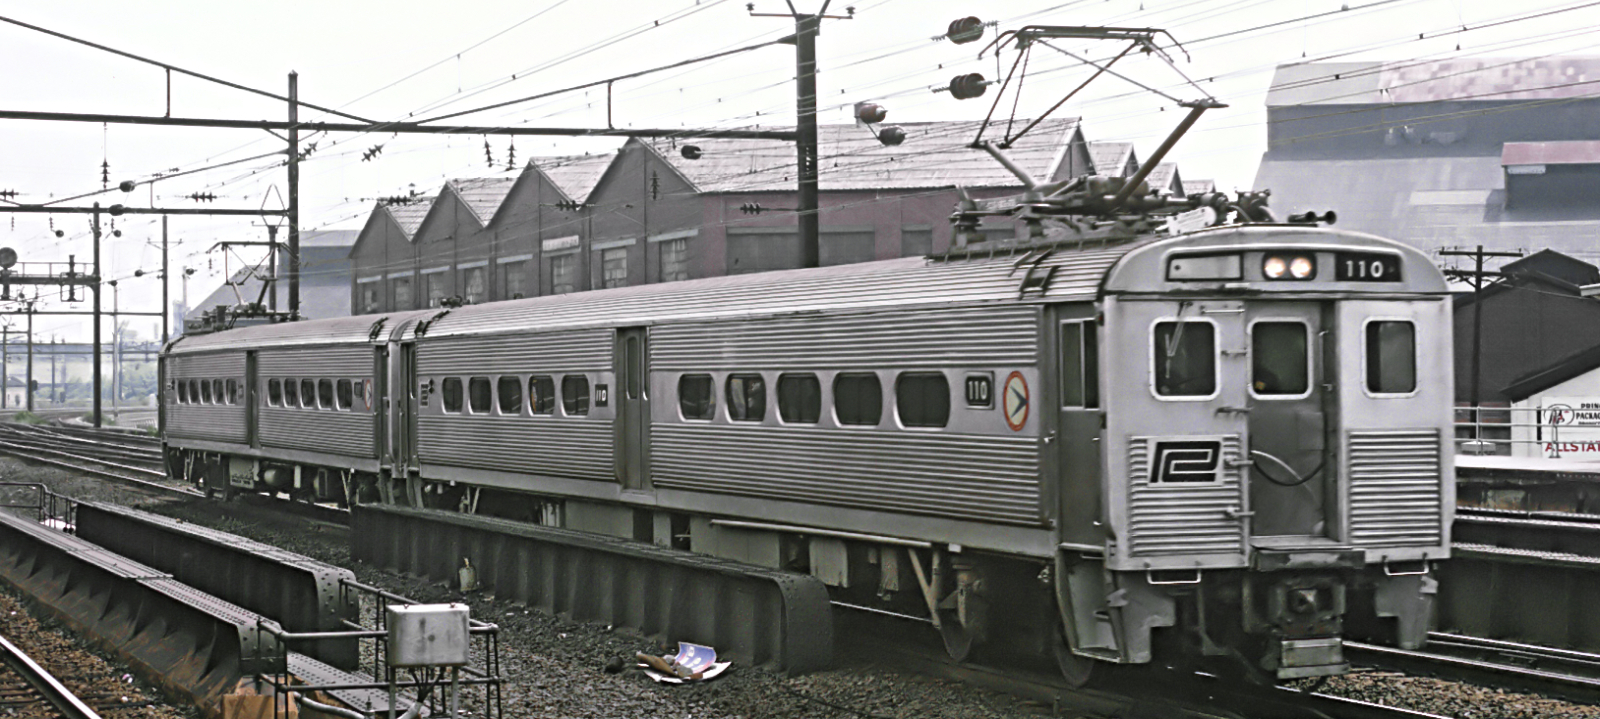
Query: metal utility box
[[427, 635]]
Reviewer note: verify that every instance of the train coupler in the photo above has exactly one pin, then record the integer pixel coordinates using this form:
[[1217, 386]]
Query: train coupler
[[1312, 657]]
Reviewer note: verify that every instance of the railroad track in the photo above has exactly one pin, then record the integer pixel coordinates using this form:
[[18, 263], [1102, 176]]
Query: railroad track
[[1118, 692], [26, 683], [132, 462], [1562, 673]]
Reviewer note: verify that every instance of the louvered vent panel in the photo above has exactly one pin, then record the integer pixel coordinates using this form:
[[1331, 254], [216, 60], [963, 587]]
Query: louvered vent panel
[[1394, 488], [1167, 518]]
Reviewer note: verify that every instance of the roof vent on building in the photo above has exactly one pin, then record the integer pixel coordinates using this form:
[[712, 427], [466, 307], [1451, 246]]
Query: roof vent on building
[[691, 152]]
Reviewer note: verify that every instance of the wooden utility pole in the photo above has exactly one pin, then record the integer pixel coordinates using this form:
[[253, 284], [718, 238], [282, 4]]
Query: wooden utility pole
[[1477, 277]]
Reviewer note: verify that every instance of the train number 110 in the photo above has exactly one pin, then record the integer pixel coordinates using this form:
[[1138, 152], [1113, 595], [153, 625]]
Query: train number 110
[[1366, 267]]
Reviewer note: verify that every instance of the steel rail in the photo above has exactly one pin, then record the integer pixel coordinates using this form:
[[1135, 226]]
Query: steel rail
[[53, 691], [12, 449], [1546, 671]]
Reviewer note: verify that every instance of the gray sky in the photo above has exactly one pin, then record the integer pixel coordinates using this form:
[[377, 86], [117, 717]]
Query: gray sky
[[391, 60]]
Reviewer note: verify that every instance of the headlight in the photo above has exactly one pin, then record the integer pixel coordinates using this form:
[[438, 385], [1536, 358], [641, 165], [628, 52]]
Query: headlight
[[1302, 268], [1274, 267]]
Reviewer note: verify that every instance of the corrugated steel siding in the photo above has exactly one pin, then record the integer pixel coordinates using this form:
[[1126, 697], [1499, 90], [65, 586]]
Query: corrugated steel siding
[[346, 361], [1394, 488], [517, 353], [967, 337], [218, 423], [993, 479], [562, 446], [211, 364], [1183, 517], [215, 422], [349, 434]]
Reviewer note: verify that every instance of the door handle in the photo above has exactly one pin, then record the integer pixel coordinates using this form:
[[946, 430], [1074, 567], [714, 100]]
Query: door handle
[[1238, 513]]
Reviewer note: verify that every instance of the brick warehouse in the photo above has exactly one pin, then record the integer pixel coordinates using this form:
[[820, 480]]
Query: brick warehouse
[[666, 210]]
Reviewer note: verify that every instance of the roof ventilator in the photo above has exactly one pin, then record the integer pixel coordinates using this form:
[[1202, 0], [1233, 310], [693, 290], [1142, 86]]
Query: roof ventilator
[[1034, 277], [422, 327]]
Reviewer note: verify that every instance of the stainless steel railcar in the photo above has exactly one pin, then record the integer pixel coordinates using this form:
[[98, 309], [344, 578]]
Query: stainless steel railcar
[[1230, 443]]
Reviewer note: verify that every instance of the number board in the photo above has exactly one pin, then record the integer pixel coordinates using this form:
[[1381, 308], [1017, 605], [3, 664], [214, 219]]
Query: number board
[[980, 390], [1365, 267]]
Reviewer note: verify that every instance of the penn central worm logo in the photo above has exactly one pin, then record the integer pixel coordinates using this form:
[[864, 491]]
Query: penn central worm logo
[[1187, 461]]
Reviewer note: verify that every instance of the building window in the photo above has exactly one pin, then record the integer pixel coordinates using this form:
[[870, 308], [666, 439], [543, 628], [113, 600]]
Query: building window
[[513, 280], [674, 259], [370, 302], [510, 395], [1186, 359], [542, 394], [857, 398], [614, 267], [563, 274], [346, 394], [922, 399], [747, 398], [696, 398], [799, 398], [291, 393], [435, 288], [475, 289], [478, 395], [450, 392], [916, 243], [575, 394], [1391, 357], [402, 294]]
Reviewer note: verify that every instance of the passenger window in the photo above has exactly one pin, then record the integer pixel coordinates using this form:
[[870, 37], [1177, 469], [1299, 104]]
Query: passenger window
[[1080, 365], [857, 398], [233, 391], [216, 392], [205, 392], [747, 398], [291, 395], [308, 393], [274, 393], [799, 398], [346, 394], [1391, 357], [510, 391], [922, 399], [183, 392], [194, 391], [542, 395], [1186, 359], [696, 397], [325, 394], [575, 395], [450, 394], [1279, 358], [478, 395]]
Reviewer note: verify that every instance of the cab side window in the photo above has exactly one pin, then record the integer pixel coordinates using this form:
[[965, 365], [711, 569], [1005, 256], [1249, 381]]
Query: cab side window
[[1391, 357]]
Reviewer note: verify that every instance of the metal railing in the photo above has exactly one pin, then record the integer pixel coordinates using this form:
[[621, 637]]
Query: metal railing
[[440, 690], [1554, 431]]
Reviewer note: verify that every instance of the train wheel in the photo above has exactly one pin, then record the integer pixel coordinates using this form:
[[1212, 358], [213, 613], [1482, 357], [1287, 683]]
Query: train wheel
[[1076, 670], [958, 640]]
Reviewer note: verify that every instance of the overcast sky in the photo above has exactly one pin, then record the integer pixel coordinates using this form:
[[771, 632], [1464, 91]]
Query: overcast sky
[[388, 61]]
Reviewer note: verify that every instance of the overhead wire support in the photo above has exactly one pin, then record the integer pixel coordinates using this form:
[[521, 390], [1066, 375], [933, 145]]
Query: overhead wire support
[[174, 68]]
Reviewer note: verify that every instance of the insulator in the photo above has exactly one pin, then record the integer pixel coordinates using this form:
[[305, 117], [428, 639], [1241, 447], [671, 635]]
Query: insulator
[[117, 210], [968, 86], [891, 135], [965, 30], [751, 208], [691, 152], [126, 185], [870, 113]]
